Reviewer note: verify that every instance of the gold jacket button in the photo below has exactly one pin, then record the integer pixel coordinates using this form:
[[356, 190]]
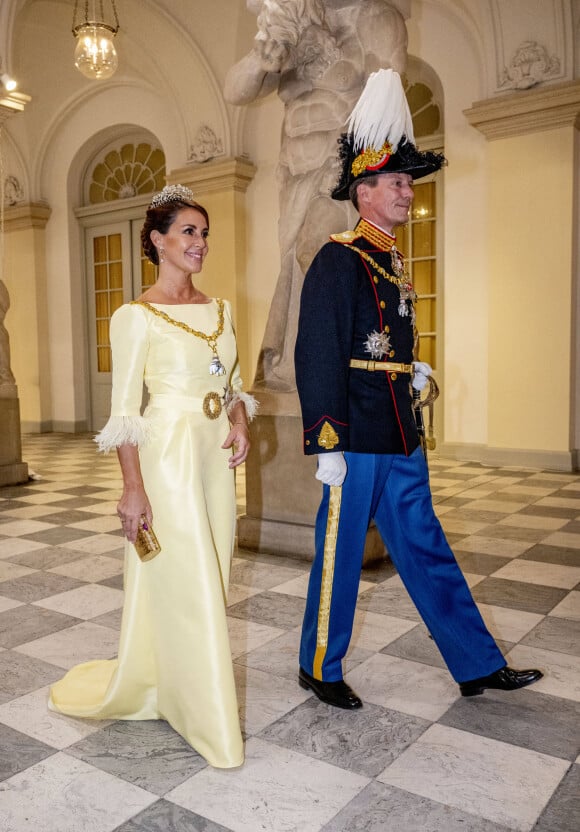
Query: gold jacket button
[[383, 304], [394, 376], [387, 328], [392, 353], [307, 442], [376, 279]]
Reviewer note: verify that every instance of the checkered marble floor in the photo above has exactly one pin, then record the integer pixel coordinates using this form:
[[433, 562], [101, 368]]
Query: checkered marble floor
[[417, 756]]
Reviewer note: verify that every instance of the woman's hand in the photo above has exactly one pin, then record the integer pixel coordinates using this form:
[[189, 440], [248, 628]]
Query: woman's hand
[[239, 438], [131, 507]]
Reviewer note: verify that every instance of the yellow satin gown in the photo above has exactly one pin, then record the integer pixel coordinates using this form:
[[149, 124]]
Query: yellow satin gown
[[174, 660]]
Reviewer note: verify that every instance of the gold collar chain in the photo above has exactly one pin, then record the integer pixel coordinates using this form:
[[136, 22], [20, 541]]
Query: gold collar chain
[[216, 368], [401, 282]]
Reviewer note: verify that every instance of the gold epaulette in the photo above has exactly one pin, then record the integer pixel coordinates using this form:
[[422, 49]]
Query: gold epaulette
[[344, 237]]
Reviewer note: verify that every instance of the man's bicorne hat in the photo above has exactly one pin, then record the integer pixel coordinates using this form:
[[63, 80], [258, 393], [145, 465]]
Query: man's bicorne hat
[[380, 138]]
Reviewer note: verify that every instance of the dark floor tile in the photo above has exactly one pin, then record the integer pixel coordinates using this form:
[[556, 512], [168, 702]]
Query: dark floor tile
[[561, 635], [389, 599], [562, 814], [48, 558], [456, 502], [271, 608], [478, 515], [454, 539], [147, 753], [497, 531], [479, 563], [381, 808], [58, 535], [525, 718], [518, 595], [559, 555], [115, 582], [83, 490], [550, 511], [69, 503], [164, 816], [37, 585], [365, 741], [19, 751], [109, 619], [289, 561], [65, 518], [21, 674], [26, 623], [573, 527], [416, 646]]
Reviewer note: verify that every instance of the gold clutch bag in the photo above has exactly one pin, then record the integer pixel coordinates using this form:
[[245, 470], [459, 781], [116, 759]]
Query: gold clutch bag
[[146, 544]]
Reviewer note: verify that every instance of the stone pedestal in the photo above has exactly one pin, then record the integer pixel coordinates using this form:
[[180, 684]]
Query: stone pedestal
[[12, 469], [282, 493]]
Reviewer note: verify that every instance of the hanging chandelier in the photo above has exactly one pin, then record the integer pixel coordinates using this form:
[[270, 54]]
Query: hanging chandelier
[[95, 54]]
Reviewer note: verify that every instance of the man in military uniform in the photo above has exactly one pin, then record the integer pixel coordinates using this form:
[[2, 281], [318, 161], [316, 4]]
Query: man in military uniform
[[355, 370]]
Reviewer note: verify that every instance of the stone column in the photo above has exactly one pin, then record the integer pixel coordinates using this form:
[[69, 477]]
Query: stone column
[[12, 469]]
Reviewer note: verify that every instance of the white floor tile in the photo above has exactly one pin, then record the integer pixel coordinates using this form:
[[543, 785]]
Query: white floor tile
[[97, 544], [545, 574], [247, 635], [97, 568], [275, 790], [503, 783], [62, 794], [494, 546], [84, 601], [564, 539], [569, 607], [561, 671], [263, 698], [507, 624], [79, 643], [18, 546], [29, 715], [372, 631], [8, 603], [409, 687], [9, 571]]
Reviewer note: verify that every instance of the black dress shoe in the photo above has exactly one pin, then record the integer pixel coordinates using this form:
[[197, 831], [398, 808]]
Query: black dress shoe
[[338, 694], [503, 679]]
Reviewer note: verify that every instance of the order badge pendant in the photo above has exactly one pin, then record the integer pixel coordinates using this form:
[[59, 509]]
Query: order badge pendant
[[212, 405], [216, 368]]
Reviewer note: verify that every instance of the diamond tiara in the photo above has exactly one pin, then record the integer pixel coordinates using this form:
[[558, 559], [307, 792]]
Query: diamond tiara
[[172, 193]]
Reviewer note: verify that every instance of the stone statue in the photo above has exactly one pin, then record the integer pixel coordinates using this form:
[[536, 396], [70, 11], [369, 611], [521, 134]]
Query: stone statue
[[7, 382], [317, 54]]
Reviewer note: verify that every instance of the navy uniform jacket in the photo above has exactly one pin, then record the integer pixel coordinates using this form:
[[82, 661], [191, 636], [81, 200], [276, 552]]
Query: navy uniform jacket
[[344, 300]]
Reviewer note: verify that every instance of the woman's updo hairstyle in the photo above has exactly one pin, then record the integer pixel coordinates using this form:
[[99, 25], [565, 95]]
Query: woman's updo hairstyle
[[162, 212]]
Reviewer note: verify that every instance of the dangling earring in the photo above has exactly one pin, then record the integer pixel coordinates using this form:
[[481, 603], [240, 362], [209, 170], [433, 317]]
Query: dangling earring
[[161, 252]]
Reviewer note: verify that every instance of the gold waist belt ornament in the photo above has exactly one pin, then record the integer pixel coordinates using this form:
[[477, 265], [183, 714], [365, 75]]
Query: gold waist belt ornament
[[375, 366]]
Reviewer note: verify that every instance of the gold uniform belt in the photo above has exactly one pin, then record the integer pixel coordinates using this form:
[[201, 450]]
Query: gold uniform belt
[[386, 366]]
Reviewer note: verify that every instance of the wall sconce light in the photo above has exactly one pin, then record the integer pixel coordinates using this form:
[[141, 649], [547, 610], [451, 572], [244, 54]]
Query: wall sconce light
[[95, 54], [7, 82]]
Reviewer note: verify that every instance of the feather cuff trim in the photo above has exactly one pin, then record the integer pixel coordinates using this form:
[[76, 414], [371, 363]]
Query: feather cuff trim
[[123, 430], [250, 403]]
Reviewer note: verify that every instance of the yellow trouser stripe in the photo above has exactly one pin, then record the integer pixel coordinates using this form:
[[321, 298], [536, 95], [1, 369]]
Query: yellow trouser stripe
[[327, 579]]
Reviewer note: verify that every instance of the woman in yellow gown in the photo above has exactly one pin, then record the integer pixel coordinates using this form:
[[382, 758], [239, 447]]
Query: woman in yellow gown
[[177, 460]]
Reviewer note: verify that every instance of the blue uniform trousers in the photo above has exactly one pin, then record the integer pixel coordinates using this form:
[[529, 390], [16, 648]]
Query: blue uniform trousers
[[394, 491]]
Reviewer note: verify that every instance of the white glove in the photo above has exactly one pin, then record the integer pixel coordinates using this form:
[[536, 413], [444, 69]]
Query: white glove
[[331, 468], [420, 376]]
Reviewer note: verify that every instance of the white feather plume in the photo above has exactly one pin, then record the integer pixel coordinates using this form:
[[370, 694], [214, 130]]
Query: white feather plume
[[382, 113]]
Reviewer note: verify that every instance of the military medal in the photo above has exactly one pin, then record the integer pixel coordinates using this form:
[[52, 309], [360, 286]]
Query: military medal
[[378, 344]]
